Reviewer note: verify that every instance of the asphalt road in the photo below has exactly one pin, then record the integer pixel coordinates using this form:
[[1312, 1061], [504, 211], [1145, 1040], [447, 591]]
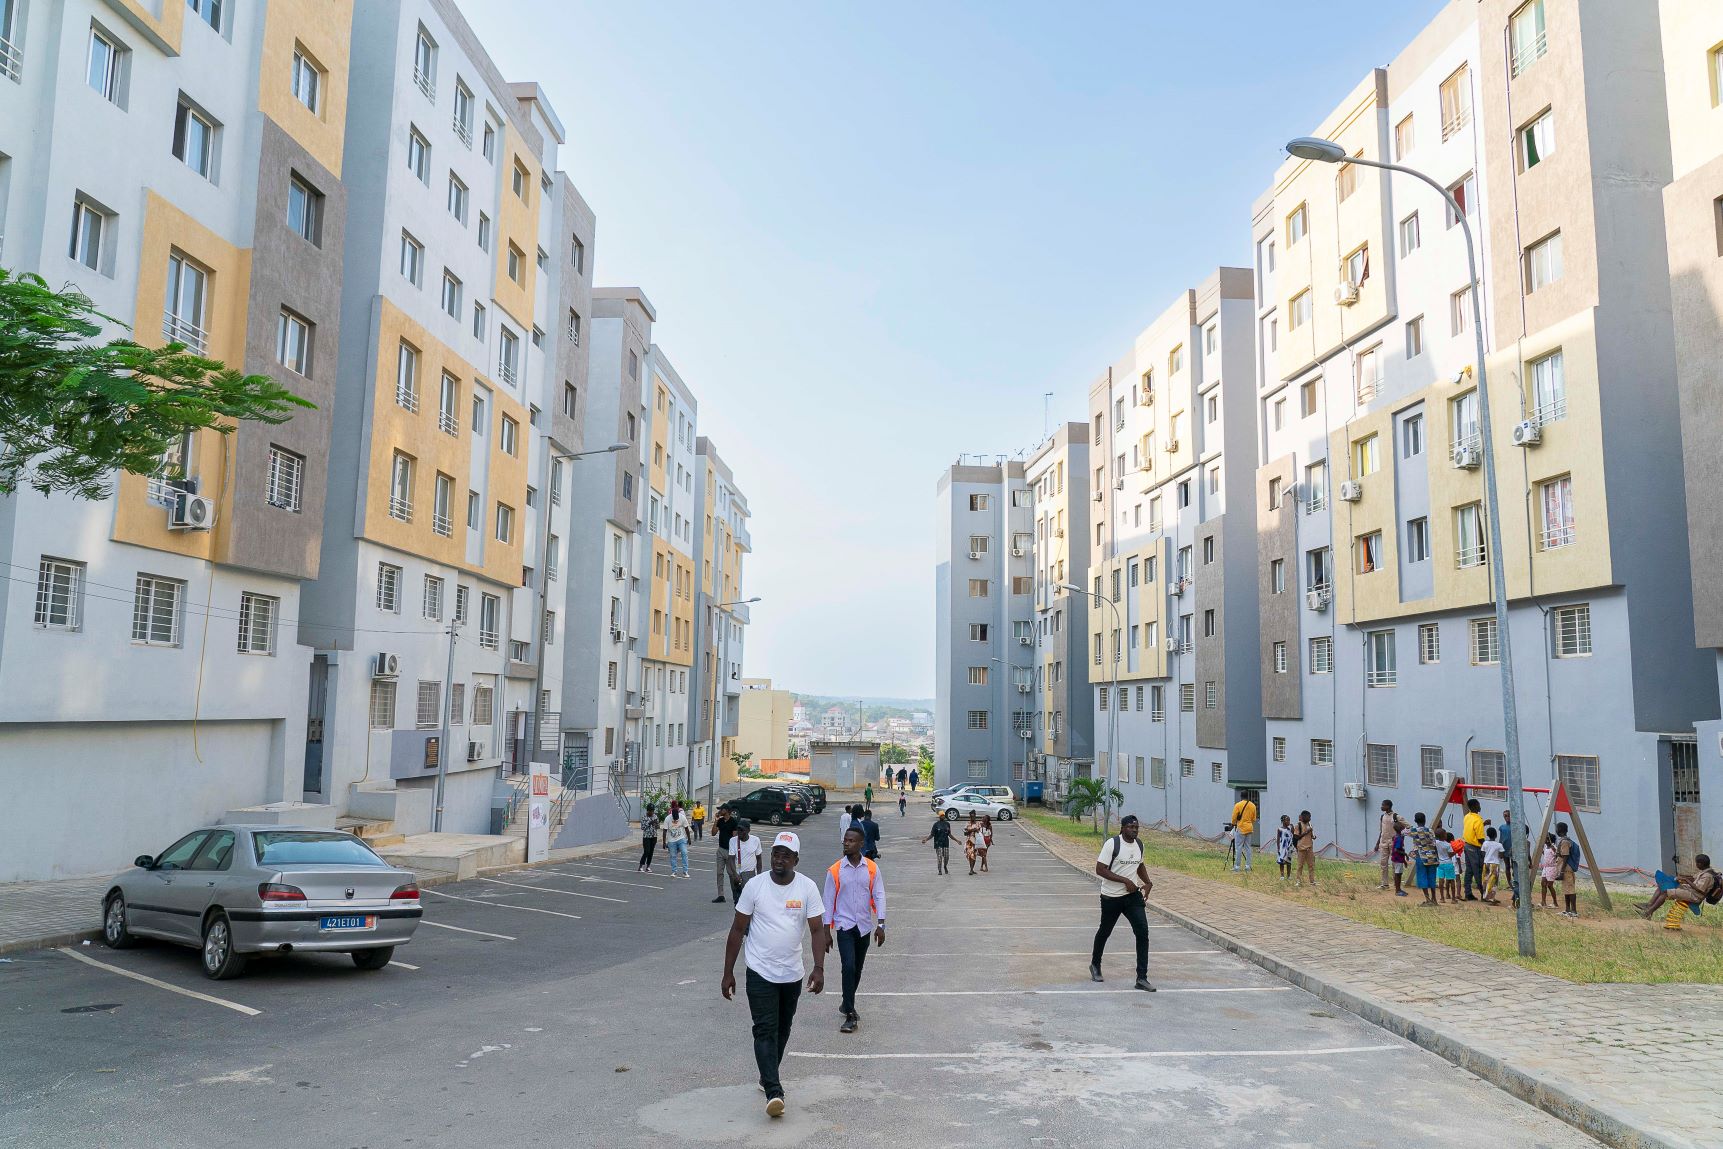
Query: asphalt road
[[579, 1005]]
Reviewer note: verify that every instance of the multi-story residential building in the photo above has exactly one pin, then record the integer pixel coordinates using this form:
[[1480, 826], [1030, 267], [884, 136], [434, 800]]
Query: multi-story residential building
[[984, 603], [721, 539], [1172, 650], [764, 720], [182, 166], [1380, 646], [459, 352], [1062, 736], [1693, 220]]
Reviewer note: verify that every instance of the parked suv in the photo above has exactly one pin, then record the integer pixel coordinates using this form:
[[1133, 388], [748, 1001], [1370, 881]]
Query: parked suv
[[815, 793], [774, 805]]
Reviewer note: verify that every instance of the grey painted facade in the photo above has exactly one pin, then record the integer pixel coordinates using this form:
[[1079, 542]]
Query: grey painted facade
[[1058, 477]]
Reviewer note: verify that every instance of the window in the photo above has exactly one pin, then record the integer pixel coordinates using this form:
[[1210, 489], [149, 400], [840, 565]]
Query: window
[[1187, 697], [401, 488], [1460, 311], [1211, 696], [419, 156], [978, 631], [1403, 138], [388, 588], [479, 322], [1365, 458], [1579, 774], [1526, 36], [448, 404], [484, 704], [1357, 267], [1429, 643], [1307, 398], [1465, 193], [286, 479], [187, 288], [430, 709], [1211, 409], [451, 294], [425, 64], [1280, 658], [1103, 696], [463, 119], [1417, 540], [1346, 181], [457, 198], [505, 523], [1555, 498], [1022, 584], [509, 438], [1317, 562], [1537, 141], [1381, 765], [508, 355], [433, 598], [382, 704], [1463, 420], [1322, 655], [442, 501], [293, 342], [1297, 224], [1716, 70], [1321, 752], [304, 210], [412, 260], [1415, 337], [978, 720], [1298, 310], [1280, 414], [1485, 652], [1469, 536], [517, 264], [977, 544], [1489, 768], [484, 232], [1157, 703], [1157, 772], [1411, 436], [489, 144], [1543, 262], [577, 254], [194, 139], [1368, 374], [978, 676], [209, 11], [1410, 239], [1277, 576], [978, 767], [1572, 629], [490, 610], [407, 377], [1215, 771], [1208, 550], [1456, 101], [1097, 647], [257, 614], [156, 611], [1549, 388], [978, 502], [1176, 360], [87, 224], [522, 181], [460, 604], [1380, 669], [1429, 761], [307, 81], [1208, 623], [107, 66], [1279, 748]]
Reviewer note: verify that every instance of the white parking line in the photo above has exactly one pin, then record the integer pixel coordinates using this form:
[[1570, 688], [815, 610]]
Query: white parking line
[[876, 954], [504, 905], [159, 984], [463, 929], [1048, 992], [554, 890], [403, 965], [604, 881], [1055, 1055], [970, 929]]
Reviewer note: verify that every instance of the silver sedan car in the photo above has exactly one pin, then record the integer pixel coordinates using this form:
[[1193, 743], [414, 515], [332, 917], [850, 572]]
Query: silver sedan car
[[239, 891]]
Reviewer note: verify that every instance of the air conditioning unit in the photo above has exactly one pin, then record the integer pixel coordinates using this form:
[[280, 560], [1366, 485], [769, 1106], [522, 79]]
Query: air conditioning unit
[[1024, 688], [615, 634], [1351, 490], [1527, 433], [616, 572], [1172, 646], [1026, 640], [1316, 599], [1148, 398], [1025, 735], [1059, 532], [191, 512], [1468, 458], [385, 666], [1017, 552], [475, 751], [1172, 446], [974, 554], [1180, 586], [1444, 779], [1100, 496], [1346, 294], [1461, 376], [1353, 790]]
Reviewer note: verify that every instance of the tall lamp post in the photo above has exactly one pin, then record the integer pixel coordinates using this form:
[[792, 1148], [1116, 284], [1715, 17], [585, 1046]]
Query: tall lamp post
[[717, 693], [537, 733], [1329, 152], [1113, 712]]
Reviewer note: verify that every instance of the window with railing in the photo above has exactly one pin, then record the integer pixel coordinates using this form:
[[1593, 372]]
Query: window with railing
[[1470, 550], [407, 376], [1527, 43], [442, 519], [463, 117], [490, 610], [1456, 95], [425, 65], [1556, 500], [1380, 669], [401, 488], [183, 317], [11, 50]]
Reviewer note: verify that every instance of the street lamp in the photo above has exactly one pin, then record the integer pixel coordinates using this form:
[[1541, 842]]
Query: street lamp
[[544, 586], [1329, 152], [1112, 713], [717, 693]]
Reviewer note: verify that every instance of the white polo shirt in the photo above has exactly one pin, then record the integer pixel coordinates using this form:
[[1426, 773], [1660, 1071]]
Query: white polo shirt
[[1130, 857], [780, 915], [745, 852]]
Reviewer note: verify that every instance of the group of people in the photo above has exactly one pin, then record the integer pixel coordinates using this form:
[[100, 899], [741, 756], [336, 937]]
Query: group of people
[[675, 827], [977, 838]]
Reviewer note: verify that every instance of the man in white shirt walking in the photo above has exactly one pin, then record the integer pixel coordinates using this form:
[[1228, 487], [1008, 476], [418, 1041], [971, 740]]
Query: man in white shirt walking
[[770, 915], [1125, 887], [744, 858]]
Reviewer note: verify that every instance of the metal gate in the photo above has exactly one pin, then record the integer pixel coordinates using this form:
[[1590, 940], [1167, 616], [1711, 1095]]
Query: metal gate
[[1684, 794], [315, 708]]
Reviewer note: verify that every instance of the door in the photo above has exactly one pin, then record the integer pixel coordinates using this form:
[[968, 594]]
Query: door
[[845, 767], [1684, 794], [194, 887], [153, 905], [317, 705]]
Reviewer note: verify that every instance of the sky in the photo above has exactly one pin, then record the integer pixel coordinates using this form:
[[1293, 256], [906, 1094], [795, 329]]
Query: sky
[[876, 234]]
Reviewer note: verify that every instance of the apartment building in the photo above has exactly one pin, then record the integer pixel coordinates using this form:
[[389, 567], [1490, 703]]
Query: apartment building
[[1381, 656], [984, 605], [1172, 651], [181, 165], [445, 505], [721, 540], [1063, 732], [764, 718], [1693, 220]]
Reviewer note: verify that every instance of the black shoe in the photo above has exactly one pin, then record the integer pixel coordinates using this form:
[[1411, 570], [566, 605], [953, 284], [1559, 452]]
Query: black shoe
[[849, 1025], [1143, 984], [719, 900], [1095, 972]]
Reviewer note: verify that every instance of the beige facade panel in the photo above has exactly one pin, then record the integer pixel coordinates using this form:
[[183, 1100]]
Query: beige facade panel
[[321, 31]]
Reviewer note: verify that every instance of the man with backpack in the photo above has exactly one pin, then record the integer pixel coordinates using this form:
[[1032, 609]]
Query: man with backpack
[[1567, 857], [855, 916], [1125, 886]]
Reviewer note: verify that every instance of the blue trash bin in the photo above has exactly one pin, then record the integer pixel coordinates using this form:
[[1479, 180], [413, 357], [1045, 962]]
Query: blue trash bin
[[1032, 791]]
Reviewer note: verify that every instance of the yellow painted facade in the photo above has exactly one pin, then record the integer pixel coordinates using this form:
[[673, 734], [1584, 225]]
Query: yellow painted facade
[[321, 30], [672, 605], [517, 228], [166, 231], [166, 29]]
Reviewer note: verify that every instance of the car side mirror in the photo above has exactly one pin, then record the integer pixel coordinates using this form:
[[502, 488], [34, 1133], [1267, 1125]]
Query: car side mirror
[[144, 862]]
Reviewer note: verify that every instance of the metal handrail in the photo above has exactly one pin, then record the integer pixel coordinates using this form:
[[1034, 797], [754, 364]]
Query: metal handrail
[[1471, 556], [177, 330], [463, 132], [1530, 54], [11, 60], [407, 397], [449, 422], [425, 84], [400, 508]]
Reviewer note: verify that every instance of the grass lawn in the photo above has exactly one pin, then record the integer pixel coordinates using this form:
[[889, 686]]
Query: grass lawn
[[1601, 946]]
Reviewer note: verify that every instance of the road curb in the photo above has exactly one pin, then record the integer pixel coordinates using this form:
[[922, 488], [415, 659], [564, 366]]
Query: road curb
[[49, 941], [1584, 1113]]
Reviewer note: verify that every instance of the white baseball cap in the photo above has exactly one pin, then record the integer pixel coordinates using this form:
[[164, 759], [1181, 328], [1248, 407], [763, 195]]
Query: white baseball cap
[[789, 841]]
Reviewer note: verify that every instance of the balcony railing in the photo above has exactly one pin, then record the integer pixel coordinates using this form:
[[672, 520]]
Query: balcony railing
[[463, 132], [489, 639], [449, 422], [177, 330], [1459, 120], [506, 372], [11, 60], [1471, 556], [443, 525], [1530, 53], [406, 397], [425, 83], [1551, 412], [1554, 537], [400, 508], [1317, 499], [1381, 677]]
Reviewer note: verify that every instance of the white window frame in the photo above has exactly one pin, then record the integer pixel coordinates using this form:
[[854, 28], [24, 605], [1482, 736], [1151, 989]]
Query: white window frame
[[1543, 262], [147, 614], [1570, 630], [1485, 646], [293, 346], [306, 83], [286, 483], [1429, 644], [389, 588], [258, 614], [1380, 660], [1322, 654], [419, 156]]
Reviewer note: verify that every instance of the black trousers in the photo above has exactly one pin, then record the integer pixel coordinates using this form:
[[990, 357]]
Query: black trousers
[[647, 845], [1131, 907], [773, 1005], [1474, 868], [852, 952]]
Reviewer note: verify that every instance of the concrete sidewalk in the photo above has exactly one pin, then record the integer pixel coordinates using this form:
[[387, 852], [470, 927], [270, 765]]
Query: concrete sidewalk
[[1633, 1065]]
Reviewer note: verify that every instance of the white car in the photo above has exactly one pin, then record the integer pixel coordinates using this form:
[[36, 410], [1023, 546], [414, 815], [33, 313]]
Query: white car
[[957, 807]]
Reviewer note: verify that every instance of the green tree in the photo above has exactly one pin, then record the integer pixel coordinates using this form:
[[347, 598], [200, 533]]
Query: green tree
[[74, 409], [924, 755], [1091, 796], [894, 755]]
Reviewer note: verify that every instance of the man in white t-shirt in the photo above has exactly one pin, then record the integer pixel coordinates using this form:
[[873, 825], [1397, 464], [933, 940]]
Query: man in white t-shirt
[[771, 913], [1125, 887], [677, 826], [744, 858]]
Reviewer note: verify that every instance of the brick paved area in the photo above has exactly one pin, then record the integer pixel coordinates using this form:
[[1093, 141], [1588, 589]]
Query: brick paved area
[[38, 913], [1635, 1065]]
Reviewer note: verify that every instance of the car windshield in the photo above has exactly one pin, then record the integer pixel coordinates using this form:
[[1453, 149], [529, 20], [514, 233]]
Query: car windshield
[[311, 847]]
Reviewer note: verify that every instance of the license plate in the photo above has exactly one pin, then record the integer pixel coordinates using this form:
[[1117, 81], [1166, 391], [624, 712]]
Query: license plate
[[348, 922]]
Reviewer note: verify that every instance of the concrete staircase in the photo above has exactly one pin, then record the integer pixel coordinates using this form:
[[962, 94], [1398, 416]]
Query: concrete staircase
[[378, 833]]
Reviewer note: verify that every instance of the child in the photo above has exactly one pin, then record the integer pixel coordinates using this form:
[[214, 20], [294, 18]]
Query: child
[[1567, 860], [1445, 867], [1549, 869], [1304, 845], [1458, 846], [1424, 855], [1492, 865], [1397, 854], [1283, 846]]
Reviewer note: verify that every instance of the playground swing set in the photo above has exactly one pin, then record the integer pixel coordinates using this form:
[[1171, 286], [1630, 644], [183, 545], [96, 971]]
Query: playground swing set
[[1458, 791]]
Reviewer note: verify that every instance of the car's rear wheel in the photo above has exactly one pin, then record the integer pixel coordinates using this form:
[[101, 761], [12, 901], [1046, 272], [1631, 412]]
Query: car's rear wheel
[[374, 958], [1004, 815], [951, 815], [219, 960], [114, 931], [777, 818]]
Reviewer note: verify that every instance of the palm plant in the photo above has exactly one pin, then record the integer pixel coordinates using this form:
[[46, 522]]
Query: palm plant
[[1091, 796]]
